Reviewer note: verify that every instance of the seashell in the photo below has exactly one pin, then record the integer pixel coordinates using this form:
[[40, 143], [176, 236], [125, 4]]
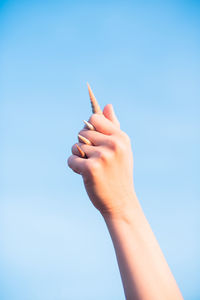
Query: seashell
[[89, 125], [84, 140], [82, 153], [96, 110], [95, 106]]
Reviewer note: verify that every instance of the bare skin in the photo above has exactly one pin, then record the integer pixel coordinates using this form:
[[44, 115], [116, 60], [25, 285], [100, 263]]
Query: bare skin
[[108, 177]]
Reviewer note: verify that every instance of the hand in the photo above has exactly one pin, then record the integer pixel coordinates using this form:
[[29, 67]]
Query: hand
[[108, 170]]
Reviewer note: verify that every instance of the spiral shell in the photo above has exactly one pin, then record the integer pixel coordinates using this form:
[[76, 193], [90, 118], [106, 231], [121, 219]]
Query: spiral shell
[[95, 106]]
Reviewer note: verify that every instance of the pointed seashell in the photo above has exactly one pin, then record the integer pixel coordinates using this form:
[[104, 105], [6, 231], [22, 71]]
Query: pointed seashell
[[84, 140], [82, 153], [95, 106], [89, 125]]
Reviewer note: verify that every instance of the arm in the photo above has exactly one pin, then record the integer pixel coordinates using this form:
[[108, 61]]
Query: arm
[[108, 177], [144, 270]]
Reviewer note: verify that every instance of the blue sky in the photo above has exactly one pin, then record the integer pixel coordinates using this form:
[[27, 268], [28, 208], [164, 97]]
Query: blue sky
[[144, 58]]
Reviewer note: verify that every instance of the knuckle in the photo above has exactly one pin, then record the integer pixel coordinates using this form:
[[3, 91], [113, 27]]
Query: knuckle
[[125, 137], [93, 119], [118, 145], [122, 147], [104, 155], [113, 143], [92, 167]]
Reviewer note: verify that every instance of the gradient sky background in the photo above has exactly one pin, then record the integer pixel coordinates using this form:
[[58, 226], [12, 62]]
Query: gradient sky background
[[144, 58]]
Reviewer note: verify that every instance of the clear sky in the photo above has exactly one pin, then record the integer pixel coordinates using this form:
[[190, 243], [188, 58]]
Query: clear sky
[[144, 58]]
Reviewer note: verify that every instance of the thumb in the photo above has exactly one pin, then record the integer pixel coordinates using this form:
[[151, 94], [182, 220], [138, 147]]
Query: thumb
[[110, 114]]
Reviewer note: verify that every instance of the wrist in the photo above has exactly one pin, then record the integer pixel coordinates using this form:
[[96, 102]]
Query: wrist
[[127, 213]]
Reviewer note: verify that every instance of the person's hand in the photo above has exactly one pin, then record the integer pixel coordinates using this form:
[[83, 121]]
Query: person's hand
[[108, 177], [108, 169]]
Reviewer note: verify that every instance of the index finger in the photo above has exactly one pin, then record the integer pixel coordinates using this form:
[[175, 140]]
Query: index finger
[[102, 124]]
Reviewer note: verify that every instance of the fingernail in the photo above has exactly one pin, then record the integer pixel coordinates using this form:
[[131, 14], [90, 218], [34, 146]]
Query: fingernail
[[89, 125], [84, 140]]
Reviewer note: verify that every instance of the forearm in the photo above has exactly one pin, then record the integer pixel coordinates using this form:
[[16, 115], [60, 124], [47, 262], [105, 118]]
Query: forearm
[[143, 268]]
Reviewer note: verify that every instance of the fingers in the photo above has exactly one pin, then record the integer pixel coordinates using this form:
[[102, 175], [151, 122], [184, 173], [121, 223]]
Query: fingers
[[98, 152], [76, 163], [94, 137], [110, 114], [88, 150], [102, 124]]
